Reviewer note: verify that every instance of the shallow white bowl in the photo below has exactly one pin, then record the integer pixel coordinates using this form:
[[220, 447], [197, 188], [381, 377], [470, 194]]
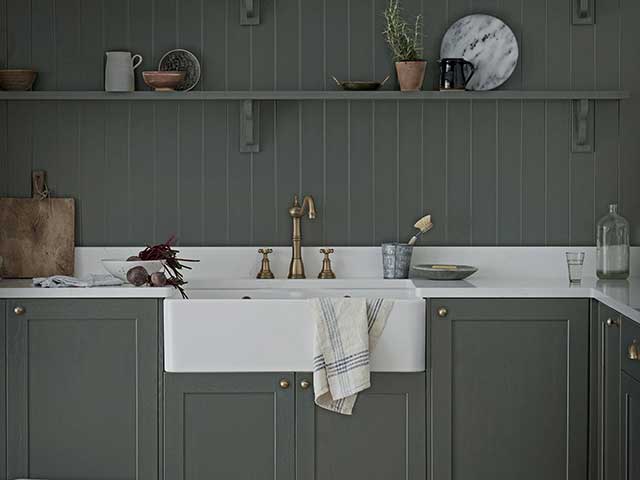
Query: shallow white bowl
[[119, 268]]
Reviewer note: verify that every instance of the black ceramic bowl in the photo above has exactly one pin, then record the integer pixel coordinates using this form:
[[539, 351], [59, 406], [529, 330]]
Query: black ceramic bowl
[[359, 85]]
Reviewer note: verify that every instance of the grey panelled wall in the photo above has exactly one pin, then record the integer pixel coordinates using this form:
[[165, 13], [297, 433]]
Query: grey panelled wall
[[491, 172]]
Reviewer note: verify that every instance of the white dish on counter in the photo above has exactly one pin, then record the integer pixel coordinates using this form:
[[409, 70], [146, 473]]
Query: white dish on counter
[[119, 268], [272, 331]]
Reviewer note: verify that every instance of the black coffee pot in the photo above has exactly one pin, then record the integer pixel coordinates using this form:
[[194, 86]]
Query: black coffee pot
[[455, 73]]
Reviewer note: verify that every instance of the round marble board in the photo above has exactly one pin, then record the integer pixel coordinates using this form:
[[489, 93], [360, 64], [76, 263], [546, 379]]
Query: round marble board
[[488, 43]]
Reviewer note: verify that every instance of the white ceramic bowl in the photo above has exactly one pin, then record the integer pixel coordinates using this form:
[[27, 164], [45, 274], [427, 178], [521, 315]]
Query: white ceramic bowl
[[119, 268]]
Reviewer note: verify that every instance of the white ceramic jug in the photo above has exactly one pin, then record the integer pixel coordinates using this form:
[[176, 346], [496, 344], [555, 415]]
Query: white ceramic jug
[[118, 73]]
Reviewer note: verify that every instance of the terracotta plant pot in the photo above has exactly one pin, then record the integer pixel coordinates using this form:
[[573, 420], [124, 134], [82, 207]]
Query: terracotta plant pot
[[411, 75]]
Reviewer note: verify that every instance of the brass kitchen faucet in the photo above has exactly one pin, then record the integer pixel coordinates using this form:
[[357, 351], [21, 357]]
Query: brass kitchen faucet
[[296, 267]]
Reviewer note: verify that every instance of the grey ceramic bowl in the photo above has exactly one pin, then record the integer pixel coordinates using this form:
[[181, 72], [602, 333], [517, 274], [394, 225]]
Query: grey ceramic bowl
[[443, 272]]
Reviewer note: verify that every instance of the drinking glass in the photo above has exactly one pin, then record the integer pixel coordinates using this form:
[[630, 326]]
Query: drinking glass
[[574, 264]]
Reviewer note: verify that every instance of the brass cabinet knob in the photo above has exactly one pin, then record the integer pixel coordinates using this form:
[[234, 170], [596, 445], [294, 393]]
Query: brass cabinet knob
[[634, 350], [304, 384], [18, 310], [284, 383], [443, 312], [612, 322]]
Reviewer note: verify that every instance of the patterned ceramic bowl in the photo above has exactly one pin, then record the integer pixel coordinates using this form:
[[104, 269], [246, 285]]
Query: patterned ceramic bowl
[[180, 60]]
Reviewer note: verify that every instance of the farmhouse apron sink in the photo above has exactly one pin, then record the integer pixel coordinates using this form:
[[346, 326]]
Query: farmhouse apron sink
[[271, 330]]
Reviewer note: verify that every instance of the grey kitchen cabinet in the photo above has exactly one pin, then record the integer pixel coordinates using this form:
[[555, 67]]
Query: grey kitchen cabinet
[[630, 348], [630, 438], [232, 426], [630, 400], [3, 392], [83, 380], [605, 369], [509, 388], [246, 426], [383, 439]]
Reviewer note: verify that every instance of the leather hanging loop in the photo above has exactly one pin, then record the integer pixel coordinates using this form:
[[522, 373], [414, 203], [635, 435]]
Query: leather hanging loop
[[39, 187]]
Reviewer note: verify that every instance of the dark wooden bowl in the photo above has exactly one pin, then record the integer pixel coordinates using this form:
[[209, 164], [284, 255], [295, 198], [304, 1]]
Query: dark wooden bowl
[[17, 80]]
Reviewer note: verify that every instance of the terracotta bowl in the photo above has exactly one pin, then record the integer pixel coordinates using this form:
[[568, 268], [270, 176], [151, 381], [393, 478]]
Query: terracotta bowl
[[163, 81], [18, 80]]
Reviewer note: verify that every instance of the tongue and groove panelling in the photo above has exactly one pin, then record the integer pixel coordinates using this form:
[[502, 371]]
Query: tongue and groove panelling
[[491, 172]]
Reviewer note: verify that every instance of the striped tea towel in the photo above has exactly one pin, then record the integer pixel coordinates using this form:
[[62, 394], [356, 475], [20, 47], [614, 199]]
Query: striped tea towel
[[62, 281], [347, 329]]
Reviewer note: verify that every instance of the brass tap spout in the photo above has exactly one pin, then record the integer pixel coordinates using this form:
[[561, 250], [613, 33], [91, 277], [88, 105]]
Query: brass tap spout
[[296, 212]]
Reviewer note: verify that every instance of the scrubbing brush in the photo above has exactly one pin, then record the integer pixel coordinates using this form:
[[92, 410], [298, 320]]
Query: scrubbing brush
[[424, 225]]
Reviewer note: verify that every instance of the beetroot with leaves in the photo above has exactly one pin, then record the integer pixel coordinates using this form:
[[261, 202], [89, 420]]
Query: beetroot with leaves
[[172, 264]]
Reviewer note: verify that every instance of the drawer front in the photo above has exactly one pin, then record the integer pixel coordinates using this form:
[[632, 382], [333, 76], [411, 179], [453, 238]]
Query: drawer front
[[630, 347]]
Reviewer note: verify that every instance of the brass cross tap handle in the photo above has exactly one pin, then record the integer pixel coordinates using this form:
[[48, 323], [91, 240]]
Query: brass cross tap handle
[[265, 270], [326, 272]]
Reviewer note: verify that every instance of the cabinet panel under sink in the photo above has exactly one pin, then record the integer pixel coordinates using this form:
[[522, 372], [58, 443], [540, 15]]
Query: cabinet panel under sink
[[385, 438], [235, 426]]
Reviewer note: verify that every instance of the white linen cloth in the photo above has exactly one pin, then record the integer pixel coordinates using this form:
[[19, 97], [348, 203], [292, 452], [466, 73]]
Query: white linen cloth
[[62, 281], [346, 331]]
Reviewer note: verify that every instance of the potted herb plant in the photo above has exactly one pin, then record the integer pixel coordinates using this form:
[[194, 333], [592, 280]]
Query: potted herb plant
[[405, 42]]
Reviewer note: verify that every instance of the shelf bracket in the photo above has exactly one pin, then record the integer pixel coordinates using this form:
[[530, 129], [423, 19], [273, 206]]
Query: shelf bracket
[[583, 12], [250, 126], [249, 12], [583, 126]]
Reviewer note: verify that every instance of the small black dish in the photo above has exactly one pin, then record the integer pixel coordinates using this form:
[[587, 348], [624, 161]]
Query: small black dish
[[359, 85]]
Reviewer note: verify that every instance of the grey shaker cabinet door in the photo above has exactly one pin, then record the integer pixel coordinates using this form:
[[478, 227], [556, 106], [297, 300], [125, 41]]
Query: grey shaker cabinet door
[[606, 377], [510, 384], [383, 439], [630, 428], [231, 426], [82, 389], [3, 392], [630, 341]]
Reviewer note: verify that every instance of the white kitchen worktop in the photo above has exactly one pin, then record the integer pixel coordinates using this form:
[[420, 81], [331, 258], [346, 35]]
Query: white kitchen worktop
[[531, 272], [623, 296], [24, 289]]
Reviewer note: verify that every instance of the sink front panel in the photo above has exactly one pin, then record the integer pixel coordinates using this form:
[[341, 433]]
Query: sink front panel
[[267, 335]]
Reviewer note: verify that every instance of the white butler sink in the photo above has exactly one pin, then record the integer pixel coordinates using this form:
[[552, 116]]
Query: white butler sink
[[219, 331]]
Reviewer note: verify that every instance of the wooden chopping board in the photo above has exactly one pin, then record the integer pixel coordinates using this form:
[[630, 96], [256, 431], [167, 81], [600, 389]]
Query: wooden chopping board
[[37, 235]]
